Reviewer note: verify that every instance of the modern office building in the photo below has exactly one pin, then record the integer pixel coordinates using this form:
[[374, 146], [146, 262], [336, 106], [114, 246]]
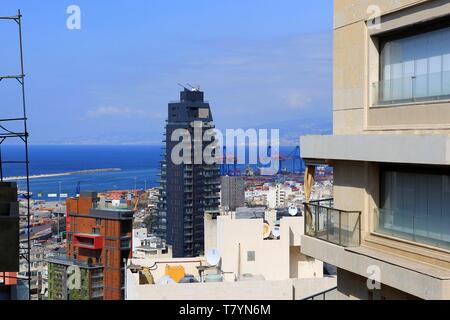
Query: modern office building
[[232, 192], [99, 241], [189, 188], [388, 228]]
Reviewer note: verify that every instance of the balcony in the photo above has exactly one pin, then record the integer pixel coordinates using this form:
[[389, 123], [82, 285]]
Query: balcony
[[125, 244], [414, 88], [336, 226], [88, 241]]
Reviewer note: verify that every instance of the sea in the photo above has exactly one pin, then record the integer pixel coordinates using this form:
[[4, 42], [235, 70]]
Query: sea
[[135, 167]]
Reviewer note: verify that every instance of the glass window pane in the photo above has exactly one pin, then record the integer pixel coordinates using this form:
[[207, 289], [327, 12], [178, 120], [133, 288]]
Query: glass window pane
[[416, 67], [416, 206]]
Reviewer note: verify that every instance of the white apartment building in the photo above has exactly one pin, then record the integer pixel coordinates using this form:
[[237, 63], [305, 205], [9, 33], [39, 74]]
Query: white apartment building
[[251, 266]]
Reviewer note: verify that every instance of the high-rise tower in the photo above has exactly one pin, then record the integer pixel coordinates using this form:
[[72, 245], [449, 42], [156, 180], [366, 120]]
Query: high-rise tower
[[191, 189]]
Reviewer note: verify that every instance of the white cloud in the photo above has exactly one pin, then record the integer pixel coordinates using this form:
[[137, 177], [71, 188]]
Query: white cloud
[[296, 100], [114, 112]]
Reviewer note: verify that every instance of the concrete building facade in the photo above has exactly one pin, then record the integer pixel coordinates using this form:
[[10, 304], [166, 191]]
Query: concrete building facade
[[251, 266], [190, 189], [388, 228], [245, 251], [232, 193]]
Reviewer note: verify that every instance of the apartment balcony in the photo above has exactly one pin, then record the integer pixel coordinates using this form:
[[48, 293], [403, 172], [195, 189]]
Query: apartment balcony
[[212, 182], [333, 236], [430, 149], [88, 241], [214, 196], [125, 244], [333, 225]]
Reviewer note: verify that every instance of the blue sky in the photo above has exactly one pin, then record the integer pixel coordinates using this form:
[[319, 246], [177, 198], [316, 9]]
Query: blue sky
[[261, 63]]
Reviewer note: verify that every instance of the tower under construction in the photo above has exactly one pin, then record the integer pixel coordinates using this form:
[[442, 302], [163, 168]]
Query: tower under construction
[[189, 190]]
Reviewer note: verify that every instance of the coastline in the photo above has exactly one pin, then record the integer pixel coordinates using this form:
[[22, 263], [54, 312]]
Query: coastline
[[51, 175]]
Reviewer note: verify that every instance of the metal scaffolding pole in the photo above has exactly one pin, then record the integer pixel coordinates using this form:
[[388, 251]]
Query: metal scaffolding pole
[[5, 134]]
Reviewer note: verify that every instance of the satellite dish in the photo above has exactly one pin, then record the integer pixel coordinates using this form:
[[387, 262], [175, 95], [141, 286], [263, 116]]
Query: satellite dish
[[266, 230], [276, 232], [293, 211], [213, 257], [166, 280]]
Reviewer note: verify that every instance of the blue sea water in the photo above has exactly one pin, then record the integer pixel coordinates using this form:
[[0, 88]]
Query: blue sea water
[[139, 167]]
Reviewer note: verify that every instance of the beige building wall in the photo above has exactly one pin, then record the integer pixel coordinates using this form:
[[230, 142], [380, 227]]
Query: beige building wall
[[241, 240], [291, 289], [356, 65], [354, 287], [406, 266]]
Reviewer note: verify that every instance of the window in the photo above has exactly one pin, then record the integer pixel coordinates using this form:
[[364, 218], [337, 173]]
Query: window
[[203, 113], [98, 222], [96, 231], [415, 67], [415, 206], [251, 256]]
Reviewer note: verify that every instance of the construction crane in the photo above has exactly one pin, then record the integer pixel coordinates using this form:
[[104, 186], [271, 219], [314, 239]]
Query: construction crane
[[293, 156]]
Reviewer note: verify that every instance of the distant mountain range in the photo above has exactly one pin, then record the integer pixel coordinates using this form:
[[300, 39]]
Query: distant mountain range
[[292, 130]]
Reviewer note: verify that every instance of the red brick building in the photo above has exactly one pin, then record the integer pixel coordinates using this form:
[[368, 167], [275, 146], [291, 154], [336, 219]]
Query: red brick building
[[98, 238]]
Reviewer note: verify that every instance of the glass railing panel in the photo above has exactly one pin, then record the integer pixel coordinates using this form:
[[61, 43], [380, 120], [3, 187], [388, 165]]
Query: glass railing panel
[[412, 88], [333, 225]]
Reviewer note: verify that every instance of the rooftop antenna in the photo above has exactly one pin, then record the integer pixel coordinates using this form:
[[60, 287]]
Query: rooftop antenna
[[184, 87], [197, 88]]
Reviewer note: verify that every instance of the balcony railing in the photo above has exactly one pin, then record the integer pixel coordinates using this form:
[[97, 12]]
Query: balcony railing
[[414, 88], [332, 225]]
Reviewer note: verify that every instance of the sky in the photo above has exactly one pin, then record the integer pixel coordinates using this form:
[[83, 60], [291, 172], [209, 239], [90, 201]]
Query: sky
[[261, 63]]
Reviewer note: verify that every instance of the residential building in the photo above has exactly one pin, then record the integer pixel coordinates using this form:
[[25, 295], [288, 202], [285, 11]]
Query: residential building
[[250, 266], [232, 192], [99, 242], [145, 245], [246, 251], [388, 228], [189, 188]]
